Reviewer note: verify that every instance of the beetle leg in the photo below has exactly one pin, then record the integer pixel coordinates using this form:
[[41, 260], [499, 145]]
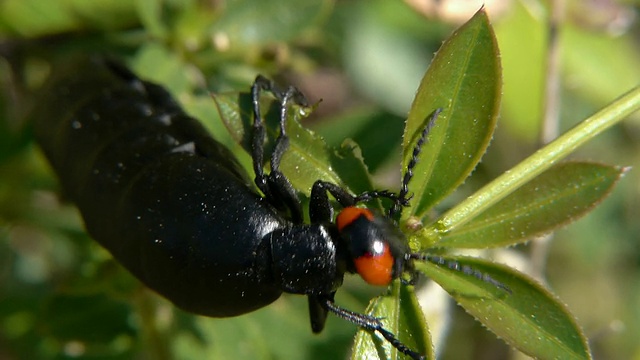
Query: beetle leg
[[277, 179], [377, 194], [370, 323], [259, 134], [276, 186], [317, 312], [320, 209]]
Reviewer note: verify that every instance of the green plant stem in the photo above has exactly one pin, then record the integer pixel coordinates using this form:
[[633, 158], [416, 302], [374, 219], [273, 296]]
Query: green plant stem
[[535, 164]]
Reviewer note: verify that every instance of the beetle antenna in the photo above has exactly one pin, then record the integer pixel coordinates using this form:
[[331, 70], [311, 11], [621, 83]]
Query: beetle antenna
[[465, 269], [401, 199], [403, 196]]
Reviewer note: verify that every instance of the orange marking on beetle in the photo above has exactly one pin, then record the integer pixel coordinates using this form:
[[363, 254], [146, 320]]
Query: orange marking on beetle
[[350, 214], [376, 269]]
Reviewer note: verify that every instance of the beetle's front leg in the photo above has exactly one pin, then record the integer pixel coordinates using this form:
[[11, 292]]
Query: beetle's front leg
[[320, 209]]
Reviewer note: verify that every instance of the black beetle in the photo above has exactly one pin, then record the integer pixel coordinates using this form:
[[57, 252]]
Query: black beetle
[[176, 209]]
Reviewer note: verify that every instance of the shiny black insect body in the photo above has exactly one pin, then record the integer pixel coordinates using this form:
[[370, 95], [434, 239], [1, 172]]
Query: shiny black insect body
[[176, 209]]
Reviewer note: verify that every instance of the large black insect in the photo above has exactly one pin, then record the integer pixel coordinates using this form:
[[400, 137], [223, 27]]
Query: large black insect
[[176, 209]]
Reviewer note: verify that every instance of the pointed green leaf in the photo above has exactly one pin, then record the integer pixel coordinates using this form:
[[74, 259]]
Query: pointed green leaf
[[348, 163], [401, 314], [530, 319], [376, 132], [308, 159], [463, 80], [528, 169], [236, 121], [558, 196]]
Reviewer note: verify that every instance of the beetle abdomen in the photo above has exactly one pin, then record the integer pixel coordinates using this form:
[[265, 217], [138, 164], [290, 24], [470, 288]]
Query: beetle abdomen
[[168, 201]]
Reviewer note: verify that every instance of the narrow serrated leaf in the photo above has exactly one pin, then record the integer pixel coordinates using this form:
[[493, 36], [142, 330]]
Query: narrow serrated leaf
[[234, 119], [464, 80], [347, 162], [529, 318], [558, 196]]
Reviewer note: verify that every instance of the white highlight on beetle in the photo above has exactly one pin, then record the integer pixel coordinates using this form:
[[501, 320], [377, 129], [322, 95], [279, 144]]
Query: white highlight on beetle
[[378, 247]]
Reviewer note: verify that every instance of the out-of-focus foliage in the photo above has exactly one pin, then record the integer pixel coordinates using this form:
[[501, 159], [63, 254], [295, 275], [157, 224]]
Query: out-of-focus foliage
[[62, 296]]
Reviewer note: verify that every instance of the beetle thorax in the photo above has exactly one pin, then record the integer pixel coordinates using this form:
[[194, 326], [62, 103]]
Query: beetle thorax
[[305, 259]]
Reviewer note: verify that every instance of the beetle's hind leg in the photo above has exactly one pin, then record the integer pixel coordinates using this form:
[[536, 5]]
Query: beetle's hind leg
[[276, 186]]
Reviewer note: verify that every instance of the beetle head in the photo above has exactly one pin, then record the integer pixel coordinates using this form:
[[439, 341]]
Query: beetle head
[[378, 251]]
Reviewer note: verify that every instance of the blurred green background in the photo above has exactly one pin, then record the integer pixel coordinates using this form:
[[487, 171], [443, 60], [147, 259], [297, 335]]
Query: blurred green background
[[63, 297]]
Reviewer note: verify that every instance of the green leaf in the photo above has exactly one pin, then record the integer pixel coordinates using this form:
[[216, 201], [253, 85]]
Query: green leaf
[[463, 80], [401, 314], [528, 169], [348, 163], [307, 159], [236, 120], [556, 197], [376, 132], [530, 318]]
